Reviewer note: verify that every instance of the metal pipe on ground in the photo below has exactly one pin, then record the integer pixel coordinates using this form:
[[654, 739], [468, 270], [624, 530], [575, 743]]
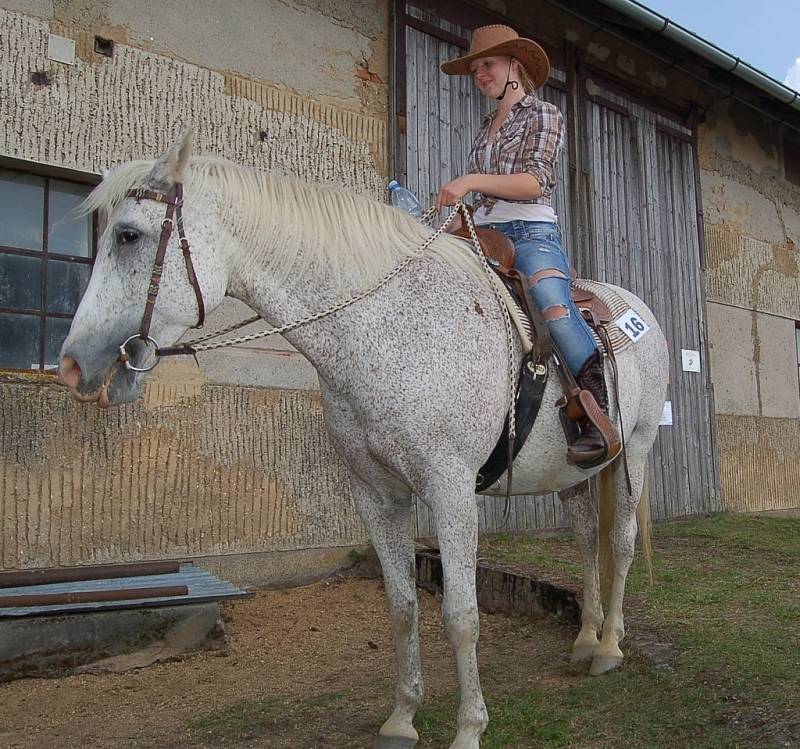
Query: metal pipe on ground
[[22, 578], [92, 596]]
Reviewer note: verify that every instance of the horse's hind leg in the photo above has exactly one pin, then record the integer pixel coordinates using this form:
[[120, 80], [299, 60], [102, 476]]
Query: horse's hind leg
[[456, 515], [389, 527], [608, 655], [581, 509]]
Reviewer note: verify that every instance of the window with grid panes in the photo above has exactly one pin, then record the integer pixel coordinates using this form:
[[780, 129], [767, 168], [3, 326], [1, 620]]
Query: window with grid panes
[[46, 256]]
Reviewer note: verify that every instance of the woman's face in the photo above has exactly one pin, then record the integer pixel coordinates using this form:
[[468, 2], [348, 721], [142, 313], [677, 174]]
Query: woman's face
[[489, 74]]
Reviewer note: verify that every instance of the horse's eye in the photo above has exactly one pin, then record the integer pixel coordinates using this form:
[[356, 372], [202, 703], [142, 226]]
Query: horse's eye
[[128, 236]]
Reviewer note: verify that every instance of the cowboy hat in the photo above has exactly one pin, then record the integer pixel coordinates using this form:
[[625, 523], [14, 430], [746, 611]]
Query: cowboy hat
[[497, 40]]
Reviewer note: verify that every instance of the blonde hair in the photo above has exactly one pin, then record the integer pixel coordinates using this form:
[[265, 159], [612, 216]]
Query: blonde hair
[[524, 78]]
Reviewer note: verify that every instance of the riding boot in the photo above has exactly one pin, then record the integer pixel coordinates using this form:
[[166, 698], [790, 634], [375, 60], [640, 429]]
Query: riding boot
[[591, 447]]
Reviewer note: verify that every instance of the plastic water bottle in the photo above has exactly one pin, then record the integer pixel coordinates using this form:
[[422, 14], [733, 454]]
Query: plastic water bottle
[[404, 199]]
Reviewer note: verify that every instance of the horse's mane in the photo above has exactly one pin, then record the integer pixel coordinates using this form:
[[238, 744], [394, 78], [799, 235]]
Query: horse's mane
[[291, 227]]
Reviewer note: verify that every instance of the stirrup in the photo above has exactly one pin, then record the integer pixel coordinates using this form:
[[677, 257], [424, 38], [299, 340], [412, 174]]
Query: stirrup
[[604, 426]]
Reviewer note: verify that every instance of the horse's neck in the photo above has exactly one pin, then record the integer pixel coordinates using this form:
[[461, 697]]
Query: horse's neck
[[279, 304]]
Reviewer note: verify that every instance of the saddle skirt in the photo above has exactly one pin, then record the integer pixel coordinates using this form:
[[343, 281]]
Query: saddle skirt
[[598, 302], [587, 294]]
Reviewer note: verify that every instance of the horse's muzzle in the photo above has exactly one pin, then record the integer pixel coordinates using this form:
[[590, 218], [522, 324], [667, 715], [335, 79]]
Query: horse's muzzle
[[105, 386]]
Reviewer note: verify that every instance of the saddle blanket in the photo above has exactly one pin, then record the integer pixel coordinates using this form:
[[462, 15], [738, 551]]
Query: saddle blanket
[[615, 303]]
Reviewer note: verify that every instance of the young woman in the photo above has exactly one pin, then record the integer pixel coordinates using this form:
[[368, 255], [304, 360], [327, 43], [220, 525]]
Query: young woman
[[512, 171]]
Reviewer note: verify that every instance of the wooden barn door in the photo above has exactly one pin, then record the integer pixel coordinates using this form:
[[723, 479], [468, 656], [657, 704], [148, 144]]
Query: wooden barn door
[[643, 235]]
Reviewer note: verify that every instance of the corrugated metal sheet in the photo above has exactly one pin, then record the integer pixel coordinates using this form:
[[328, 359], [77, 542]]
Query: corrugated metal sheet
[[644, 236], [202, 586]]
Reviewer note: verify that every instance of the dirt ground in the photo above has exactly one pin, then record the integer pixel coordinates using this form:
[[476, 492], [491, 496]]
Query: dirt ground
[[332, 638]]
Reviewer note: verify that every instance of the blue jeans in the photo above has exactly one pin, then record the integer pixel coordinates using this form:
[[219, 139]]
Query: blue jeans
[[541, 259]]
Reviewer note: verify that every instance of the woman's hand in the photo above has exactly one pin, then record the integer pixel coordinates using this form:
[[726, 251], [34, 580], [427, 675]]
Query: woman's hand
[[453, 191]]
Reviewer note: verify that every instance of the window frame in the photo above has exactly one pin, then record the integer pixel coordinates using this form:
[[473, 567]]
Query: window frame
[[48, 173]]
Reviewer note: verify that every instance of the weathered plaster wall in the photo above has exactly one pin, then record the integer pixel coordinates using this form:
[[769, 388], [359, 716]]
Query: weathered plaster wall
[[103, 111], [332, 52], [193, 468], [759, 461], [752, 231], [753, 381], [190, 470]]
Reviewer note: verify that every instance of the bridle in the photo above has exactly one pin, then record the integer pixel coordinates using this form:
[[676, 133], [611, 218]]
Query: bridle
[[172, 219]]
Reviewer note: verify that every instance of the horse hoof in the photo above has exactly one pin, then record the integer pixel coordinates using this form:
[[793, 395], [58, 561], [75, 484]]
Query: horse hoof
[[581, 653], [602, 664], [395, 742]]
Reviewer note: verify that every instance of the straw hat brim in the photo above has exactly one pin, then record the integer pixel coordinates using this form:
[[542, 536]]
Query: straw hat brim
[[532, 57]]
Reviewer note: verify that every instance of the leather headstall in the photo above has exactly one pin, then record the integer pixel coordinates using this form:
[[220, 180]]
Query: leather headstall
[[172, 219]]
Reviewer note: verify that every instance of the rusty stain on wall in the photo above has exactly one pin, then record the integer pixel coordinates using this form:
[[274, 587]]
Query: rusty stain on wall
[[784, 259], [171, 383], [225, 470], [759, 463]]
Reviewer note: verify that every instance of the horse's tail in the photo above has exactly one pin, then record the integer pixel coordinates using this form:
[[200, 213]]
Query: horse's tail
[[643, 522], [607, 490]]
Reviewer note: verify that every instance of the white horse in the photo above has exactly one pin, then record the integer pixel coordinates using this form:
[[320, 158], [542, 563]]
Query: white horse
[[414, 379]]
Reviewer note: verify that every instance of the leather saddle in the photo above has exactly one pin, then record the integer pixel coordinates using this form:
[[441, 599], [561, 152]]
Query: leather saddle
[[499, 250]]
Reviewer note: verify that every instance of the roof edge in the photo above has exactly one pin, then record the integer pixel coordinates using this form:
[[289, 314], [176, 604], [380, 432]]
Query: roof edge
[[666, 27]]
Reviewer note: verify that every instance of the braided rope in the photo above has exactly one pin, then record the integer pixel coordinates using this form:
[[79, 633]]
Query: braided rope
[[225, 331], [331, 310], [426, 218], [512, 421]]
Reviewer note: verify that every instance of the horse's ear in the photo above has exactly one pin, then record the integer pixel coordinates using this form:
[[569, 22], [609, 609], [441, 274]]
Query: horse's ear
[[171, 167]]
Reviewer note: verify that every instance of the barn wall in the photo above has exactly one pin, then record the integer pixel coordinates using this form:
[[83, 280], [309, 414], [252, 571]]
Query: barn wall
[[752, 232], [189, 470], [211, 461], [301, 87]]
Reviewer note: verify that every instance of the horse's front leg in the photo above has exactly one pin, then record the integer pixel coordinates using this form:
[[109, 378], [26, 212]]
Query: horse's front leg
[[389, 527], [456, 515], [581, 509]]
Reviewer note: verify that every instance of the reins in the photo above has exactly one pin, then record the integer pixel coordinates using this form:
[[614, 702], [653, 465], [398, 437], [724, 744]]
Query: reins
[[174, 217]]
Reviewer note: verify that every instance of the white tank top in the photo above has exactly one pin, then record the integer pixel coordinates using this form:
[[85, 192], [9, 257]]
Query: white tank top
[[504, 211]]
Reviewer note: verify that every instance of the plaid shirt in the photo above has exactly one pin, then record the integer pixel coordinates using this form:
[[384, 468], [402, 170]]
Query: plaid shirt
[[530, 140]]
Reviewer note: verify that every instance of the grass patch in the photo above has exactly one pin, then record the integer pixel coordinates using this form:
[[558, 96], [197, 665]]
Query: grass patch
[[538, 553], [630, 708], [727, 593], [257, 716]]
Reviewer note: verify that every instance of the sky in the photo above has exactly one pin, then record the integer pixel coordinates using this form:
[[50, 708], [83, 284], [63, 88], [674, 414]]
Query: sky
[[764, 33]]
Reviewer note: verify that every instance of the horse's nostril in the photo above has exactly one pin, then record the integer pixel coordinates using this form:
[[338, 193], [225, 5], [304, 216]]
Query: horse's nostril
[[69, 372]]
